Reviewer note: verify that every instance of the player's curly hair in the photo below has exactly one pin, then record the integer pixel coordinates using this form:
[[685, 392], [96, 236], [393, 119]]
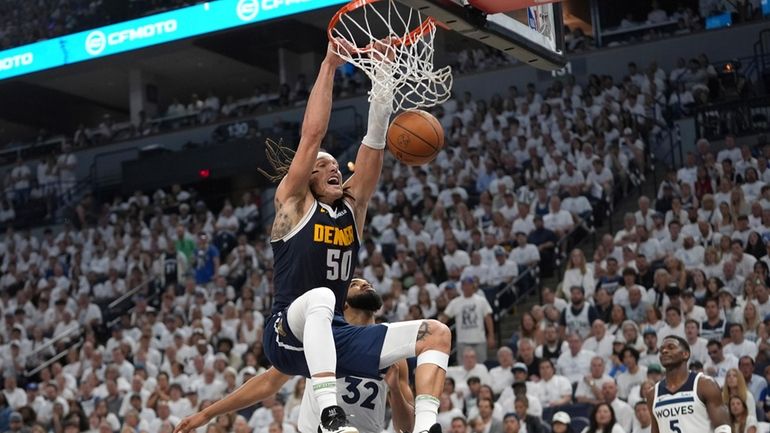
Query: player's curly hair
[[279, 157]]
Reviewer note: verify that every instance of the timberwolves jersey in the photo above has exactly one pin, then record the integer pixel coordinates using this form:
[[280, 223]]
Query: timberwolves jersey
[[321, 251], [363, 400], [681, 411]]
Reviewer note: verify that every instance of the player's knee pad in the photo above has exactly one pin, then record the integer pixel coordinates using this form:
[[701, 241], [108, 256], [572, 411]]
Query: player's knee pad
[[434, 357], [321, 296]]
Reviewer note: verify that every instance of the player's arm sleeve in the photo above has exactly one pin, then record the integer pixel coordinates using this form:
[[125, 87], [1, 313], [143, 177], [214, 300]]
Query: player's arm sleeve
[[314, 127], [402, 400], [253, 391], [709, 393]]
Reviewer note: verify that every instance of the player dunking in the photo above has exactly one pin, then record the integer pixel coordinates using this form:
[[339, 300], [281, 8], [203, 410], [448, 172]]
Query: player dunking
[[364, 400], [684, 401], [315, 238]]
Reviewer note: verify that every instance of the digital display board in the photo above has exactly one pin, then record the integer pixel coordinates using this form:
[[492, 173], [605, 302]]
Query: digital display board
[[148, 31]]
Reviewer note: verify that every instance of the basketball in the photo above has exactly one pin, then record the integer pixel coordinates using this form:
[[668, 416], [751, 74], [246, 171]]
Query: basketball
[[415, 137]]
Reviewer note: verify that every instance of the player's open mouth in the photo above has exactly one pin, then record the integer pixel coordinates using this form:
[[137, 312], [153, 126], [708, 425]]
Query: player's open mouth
[[333, 181]]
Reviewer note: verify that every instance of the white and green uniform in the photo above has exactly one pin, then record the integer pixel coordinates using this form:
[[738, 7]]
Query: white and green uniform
[[363, 400], [681, 411]]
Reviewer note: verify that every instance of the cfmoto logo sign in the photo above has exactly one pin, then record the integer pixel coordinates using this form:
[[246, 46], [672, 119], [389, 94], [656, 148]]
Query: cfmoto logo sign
[[96, 42], [247, 10], [24, 59]]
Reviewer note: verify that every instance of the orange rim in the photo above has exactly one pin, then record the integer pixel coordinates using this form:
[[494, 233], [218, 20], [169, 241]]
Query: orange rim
[[407, 40]]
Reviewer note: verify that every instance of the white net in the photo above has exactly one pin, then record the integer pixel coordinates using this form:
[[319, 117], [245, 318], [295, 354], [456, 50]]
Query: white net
[[408, 74]]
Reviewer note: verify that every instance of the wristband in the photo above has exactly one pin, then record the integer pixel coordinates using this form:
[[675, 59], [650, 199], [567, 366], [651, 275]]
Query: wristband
[[724, 428], [380, 110], [379, 116]]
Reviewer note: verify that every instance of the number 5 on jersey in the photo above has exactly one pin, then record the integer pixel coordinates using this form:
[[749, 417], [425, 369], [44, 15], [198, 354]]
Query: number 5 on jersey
[[674, 426], [338, 264]]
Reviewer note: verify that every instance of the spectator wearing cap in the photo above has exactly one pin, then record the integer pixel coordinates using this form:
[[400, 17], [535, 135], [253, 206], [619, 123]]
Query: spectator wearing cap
[[561, 423], [510, 423], [473, 318], [651, 353], [16, 423], [501, 377], [589, 386], [545, 240], [579, 316], [503, 271]]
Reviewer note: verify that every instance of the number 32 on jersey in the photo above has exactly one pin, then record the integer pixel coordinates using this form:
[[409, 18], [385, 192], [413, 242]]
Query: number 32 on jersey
[[365, 397]]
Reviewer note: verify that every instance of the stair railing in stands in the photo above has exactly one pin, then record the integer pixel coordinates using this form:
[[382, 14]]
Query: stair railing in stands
[[53, 359]]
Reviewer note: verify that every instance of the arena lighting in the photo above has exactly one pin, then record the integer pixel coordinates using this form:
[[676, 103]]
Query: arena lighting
[[148, 31]]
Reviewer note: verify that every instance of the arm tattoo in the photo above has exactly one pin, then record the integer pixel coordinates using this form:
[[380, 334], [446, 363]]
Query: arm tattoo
[[423, 331], [283, 222]]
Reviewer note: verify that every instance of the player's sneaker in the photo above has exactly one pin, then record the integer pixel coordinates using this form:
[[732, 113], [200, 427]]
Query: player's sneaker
[[334, 420]]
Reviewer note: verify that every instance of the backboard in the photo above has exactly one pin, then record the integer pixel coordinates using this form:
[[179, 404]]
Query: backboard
[[533, 35]]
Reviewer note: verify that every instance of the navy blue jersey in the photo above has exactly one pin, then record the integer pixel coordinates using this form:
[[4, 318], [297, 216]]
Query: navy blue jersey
[[321, 251]]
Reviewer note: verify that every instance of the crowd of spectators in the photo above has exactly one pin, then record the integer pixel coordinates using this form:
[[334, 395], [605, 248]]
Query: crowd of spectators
[[520, 173], [666, 19]]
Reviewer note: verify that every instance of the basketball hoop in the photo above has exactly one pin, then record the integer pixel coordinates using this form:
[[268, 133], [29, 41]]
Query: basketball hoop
[[407, 74]]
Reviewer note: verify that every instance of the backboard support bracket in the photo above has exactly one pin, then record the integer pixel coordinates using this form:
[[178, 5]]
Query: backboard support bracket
[[499, 31]]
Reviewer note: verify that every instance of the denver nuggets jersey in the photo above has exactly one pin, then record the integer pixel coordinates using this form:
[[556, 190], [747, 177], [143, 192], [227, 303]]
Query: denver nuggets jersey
[[363, 400], [321, 251], [682, 411]]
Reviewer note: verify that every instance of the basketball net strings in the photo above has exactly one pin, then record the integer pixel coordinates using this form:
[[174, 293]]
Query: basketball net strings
[[410, 78]]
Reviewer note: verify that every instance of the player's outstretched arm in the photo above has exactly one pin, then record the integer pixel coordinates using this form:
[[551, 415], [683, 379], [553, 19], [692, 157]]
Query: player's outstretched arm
[[314, 127], [709, 393], [400, 396], [253, 391], [371, 153]]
